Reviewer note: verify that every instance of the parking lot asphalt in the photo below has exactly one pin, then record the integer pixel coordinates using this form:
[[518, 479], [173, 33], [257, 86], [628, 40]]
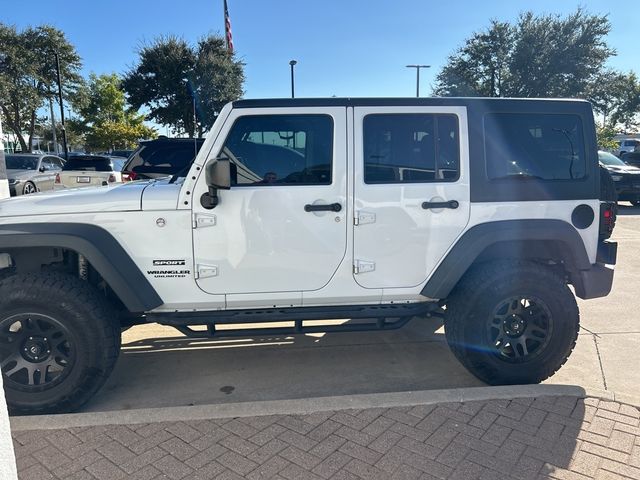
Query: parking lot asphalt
[[159, 367]]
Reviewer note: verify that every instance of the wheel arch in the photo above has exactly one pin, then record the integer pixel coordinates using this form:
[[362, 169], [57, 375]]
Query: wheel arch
[[554, 242], [98, 246]]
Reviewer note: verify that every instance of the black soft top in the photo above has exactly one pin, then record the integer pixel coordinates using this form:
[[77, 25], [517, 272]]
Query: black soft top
[[487, 102]]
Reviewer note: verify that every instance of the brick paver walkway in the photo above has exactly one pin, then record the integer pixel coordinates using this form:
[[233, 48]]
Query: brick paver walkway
[[549, 437]]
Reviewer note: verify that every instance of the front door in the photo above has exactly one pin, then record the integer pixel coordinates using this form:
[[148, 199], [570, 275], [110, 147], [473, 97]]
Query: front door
[[281, 227], [411, 192]]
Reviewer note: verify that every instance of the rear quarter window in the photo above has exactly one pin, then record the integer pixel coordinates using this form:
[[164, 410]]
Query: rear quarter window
[[534, 146]]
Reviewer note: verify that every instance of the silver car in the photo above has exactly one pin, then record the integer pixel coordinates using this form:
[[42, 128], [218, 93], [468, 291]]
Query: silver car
[[30, 173]]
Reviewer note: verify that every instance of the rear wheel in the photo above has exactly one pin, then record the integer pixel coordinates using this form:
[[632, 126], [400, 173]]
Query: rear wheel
[[59, 341], [512, 322]]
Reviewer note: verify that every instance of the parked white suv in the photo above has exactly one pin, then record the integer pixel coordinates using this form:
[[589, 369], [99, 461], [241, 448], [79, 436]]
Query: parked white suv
[[627, 145], [479, 211]]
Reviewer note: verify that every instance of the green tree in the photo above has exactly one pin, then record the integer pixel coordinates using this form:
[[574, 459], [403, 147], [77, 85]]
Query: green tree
[[615, 97], [28, 77], [108, 122], [218, 79], [171, 73], [627, 107], [606, 137], [538, 56], [481, 66], [74, 128]]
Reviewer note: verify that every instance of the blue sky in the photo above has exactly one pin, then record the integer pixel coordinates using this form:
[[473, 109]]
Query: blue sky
[[343, 48]]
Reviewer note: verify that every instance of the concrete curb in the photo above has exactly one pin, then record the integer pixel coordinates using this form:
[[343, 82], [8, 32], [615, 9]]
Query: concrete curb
[[308, 405]]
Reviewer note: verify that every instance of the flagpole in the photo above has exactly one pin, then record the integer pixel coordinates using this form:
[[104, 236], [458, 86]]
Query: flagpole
[[227, 28], [224, 21]]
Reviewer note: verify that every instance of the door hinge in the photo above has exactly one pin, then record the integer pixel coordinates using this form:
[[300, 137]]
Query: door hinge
[[362, 218], [206, 271], [202, 220], [361, 266]]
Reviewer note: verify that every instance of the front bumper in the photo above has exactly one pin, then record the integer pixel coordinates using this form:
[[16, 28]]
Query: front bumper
[[598, 280]]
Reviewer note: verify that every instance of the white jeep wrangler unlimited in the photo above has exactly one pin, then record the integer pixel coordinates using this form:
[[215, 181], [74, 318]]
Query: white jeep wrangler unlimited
[[482, 211]]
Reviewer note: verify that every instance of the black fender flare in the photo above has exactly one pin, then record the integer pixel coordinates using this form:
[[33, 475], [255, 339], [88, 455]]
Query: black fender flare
[[480, 237], [100, 249]]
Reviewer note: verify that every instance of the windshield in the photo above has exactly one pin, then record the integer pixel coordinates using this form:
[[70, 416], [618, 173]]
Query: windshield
[[21, 162], [610, 159]]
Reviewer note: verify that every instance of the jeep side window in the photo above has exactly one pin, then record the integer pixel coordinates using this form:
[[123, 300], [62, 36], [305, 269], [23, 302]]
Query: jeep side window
[[543, 146], [411, 148], [280, 150]]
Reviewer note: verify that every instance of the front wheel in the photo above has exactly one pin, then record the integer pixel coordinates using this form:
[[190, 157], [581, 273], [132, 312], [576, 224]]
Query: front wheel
[[512, 322], [29, 188], [59, 341]]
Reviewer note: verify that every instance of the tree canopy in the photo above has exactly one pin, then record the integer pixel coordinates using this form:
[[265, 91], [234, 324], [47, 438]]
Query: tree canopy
[[171, 73], [544, 56], [538, 56], [28, 67], [108, 122]]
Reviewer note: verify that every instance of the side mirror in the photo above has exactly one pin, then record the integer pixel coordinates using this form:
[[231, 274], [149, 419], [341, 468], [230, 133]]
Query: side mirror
[[218, 177], [42, 169], [218, 174]]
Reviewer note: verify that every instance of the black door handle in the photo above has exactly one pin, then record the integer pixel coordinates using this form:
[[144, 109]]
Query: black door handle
[[450, 204], [332, 207]]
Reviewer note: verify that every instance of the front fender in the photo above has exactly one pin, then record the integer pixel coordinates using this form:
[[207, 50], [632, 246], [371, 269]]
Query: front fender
[[99, 247]]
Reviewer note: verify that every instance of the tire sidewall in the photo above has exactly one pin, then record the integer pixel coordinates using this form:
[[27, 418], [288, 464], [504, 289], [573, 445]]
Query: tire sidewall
[[483, 356], [90, 350]]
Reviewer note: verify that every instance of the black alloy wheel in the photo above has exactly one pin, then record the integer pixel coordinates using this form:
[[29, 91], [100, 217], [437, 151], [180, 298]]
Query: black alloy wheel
[[36, 352], [520, 329]]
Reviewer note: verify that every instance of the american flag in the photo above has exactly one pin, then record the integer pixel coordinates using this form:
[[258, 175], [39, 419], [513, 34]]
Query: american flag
[[227, 28]]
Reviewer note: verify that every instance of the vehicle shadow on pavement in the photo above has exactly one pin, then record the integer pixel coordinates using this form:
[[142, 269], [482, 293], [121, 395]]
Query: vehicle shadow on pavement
[[170, 370]]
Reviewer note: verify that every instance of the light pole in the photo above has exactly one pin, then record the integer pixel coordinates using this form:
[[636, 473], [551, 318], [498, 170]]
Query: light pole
[[292, 63], [418, 67], [64, 131], [4, 193]]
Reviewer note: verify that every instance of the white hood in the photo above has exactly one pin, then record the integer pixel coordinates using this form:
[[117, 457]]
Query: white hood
[[120, 198]]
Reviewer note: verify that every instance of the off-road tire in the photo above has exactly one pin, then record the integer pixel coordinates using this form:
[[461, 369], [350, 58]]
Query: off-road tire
[[93, 331], [472, 305]]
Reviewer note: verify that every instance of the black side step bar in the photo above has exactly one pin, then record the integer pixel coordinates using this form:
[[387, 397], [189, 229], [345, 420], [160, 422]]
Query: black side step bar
[[383, 317]]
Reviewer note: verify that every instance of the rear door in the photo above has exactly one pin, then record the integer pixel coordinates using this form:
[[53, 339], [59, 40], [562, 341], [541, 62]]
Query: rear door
[[411, 191]]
